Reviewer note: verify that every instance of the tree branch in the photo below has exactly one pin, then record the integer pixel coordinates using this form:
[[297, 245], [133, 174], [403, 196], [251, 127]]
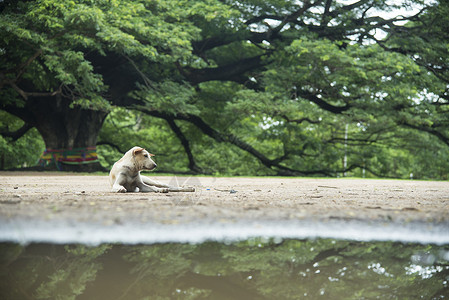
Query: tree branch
[[325, 17], [255, 37], [347, 8], [185, 143], [227, 72], [25, 94], [232, 139], [323, 104], [299, 121], [21, 68], [294, 16], [116, 147], [433, 132], [263, 17], [15, 135]]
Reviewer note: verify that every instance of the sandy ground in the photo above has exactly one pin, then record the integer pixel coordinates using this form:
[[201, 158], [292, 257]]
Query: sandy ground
[[50, 197]]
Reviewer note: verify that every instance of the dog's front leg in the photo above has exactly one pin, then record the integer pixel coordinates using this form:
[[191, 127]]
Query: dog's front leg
[[152, 182], [181, 189], [118, 187], [147, 188]]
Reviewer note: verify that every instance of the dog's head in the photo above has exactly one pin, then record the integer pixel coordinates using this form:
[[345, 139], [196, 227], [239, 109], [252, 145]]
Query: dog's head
[[142, 159]]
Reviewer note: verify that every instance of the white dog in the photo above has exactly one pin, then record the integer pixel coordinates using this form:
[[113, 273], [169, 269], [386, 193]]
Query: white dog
[[125, 174]]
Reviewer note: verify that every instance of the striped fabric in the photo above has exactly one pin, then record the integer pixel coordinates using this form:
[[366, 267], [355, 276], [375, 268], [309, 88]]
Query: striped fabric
[[73, 156]]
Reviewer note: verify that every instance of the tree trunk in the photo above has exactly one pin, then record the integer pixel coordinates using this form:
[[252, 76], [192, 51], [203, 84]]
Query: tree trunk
[[70, 134]]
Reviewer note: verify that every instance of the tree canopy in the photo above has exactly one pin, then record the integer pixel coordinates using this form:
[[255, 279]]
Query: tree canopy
[[232, 87]]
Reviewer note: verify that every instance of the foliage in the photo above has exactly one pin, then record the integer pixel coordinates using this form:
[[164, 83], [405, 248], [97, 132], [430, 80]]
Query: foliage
[[242, 87], [131, 128], [21, 152]]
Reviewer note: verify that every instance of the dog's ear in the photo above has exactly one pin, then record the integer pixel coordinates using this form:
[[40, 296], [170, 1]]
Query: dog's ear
[[137, 151]]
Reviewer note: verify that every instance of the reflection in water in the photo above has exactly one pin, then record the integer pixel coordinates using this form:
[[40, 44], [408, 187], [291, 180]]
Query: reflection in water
[[252, 269]]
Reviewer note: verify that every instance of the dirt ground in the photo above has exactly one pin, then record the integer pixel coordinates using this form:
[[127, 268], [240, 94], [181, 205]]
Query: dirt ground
[[51, 197]]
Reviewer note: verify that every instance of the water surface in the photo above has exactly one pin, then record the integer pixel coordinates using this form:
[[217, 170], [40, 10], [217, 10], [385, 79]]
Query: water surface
[[256, 268]]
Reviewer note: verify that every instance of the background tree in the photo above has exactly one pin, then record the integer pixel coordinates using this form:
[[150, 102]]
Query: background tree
[[247, 87], [56, 57]]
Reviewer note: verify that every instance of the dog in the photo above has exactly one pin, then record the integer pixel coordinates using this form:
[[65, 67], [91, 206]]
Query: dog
[[125, 174]]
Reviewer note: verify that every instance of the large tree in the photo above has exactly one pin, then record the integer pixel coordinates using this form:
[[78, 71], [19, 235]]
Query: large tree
[[56, 57], [280, 80]]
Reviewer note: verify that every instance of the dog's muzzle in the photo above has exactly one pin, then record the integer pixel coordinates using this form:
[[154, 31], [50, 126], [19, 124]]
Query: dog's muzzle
[[154, 166]]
